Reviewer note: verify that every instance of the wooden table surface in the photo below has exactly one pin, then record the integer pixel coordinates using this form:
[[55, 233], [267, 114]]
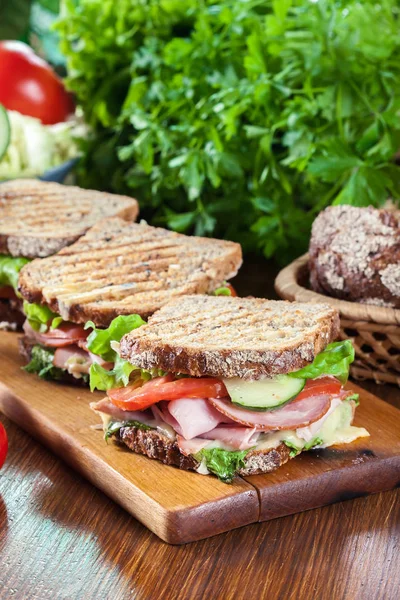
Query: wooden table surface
[[61, 538]]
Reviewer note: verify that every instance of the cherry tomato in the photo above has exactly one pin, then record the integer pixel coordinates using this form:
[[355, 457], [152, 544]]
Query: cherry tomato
[[30, 86], [133, 398], [323, 385], [3, 445]]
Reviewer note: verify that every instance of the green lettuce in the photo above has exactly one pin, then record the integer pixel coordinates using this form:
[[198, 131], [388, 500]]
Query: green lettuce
[[42, 364], [355, 398], [99, 342], [315, 442], [294, 450], [113, 427], [334, 360], [222, 291], [10, 267], [223, 463], [39, 316]]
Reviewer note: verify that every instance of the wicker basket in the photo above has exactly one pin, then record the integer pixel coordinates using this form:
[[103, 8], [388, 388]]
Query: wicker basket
[[374, 330]]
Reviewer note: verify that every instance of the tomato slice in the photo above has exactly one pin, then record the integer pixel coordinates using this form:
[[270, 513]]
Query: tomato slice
[[232, 289], [154, 391], [3, 445], [323, 385]]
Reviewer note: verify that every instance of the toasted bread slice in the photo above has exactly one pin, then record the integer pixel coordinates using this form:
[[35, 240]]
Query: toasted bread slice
[[231, 337], [39, 218], [157, 446], [121, 268]]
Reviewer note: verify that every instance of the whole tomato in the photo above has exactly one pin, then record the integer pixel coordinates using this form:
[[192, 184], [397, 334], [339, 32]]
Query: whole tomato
[[3, 445], [30, 86]]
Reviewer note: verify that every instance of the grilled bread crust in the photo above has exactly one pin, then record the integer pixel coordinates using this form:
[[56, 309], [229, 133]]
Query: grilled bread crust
[[25, 345], [39, 218], [121, 268], [355, 255], [155, 445], [249, 338]]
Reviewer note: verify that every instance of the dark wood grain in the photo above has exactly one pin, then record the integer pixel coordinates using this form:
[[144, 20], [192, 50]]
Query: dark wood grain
[[61, 538]]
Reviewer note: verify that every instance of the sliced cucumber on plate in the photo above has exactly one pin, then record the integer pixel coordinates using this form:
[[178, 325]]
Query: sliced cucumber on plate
[[5, 131], [265, 394]]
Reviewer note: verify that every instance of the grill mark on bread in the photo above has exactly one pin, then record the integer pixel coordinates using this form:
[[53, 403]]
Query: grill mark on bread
[[220, 337], [88, 281], [39, 218]]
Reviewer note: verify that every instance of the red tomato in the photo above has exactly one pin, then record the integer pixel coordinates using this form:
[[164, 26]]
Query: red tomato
[[154, 391], [324, 385], [30, 86], [3, 445], [232, 289]]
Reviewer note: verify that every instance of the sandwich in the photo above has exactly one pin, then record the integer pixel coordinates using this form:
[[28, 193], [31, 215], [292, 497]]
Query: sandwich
[[38, 219], [232, 386], [81, 300]]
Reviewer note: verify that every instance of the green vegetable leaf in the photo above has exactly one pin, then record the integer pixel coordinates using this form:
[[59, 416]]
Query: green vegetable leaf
[[101, 379], [223, 463], [99, 340], [334, 360], [315, 442], [39, 317], [10, 267], [222, 291], [294, 450], [113, 427], [42, 363], [354, 398]]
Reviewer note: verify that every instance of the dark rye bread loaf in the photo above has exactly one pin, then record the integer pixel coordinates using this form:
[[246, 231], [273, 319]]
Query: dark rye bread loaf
[[121, 268], [223, 336], [155, 445], [38, 218], [355, 255]]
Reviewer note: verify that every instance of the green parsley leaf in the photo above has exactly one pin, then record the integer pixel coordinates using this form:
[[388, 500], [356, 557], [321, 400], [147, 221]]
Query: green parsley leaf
[[42, 363]]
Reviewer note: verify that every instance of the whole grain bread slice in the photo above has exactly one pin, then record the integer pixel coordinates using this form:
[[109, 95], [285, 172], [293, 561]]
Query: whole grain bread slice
[[38, 218], [154, 444], [250, 338], [121, 268]]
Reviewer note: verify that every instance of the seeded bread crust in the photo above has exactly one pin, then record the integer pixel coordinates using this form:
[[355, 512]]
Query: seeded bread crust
[[38, 218], [121, 268], [157, 446], [25, 346], [249, 338], [355, 255]]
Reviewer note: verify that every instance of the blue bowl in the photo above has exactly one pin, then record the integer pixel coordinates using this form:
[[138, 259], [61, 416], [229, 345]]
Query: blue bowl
[[59, 173]]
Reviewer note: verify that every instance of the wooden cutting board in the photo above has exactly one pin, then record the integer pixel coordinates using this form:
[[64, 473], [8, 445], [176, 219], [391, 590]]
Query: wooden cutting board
[[181, 507]]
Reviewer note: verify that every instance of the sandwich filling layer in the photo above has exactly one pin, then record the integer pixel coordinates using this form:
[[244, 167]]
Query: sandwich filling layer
[[11, 315], [222, 423]]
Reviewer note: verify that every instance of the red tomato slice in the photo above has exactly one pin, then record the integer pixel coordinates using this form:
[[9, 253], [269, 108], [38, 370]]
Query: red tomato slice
[[30, 86], [6, 291], [3, 445], [316, 387], [152, 392], [232, 289]]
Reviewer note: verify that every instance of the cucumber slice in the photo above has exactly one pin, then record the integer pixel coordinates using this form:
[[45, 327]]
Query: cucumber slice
[[5, 131], [266, 394]]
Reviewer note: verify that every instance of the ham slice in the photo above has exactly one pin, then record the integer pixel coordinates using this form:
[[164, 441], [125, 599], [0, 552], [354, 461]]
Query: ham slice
[[64, 354], [191, 446], [291, 416], [237, 437], [106, 407], [64, 335], [194, 416]]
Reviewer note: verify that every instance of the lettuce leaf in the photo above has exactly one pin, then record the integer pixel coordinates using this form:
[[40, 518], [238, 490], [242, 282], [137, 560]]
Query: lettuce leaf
[[101, 379], [99, 340], [223, 463], [42, 363], [39, 316], [354, 398], [222, 291], [10, 267], [113, 427], [334, 360]]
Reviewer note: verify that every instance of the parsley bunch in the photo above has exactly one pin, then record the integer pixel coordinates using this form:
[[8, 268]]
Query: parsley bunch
[[238, 118]]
